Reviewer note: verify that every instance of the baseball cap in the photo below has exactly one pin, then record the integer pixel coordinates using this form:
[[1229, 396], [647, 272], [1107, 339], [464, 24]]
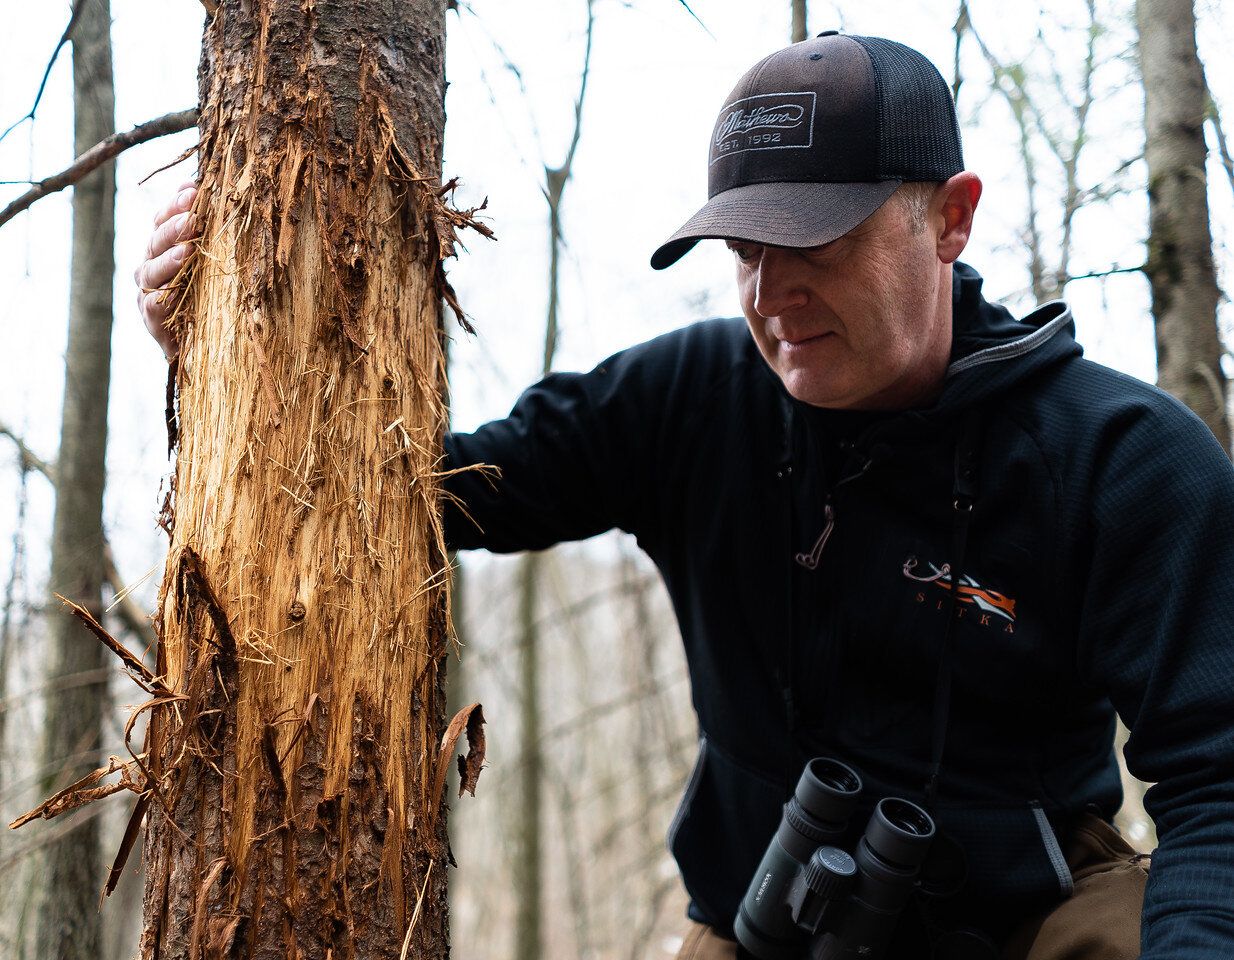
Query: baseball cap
[[815, 138]]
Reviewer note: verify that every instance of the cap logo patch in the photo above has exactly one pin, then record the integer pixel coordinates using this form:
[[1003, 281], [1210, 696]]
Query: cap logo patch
[[769, 121]]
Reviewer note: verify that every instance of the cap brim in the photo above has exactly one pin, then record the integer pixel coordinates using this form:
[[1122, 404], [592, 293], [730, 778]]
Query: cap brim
[[779, 214]]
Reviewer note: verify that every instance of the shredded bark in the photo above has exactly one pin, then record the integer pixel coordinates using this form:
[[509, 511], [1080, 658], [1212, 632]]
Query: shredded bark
[[137, 670], [184, 155], [469, 766], [305, 606], [471, 720], [196, 585], [200, 914], [169, 413], [83, 791], [132, 831], [269, 750]]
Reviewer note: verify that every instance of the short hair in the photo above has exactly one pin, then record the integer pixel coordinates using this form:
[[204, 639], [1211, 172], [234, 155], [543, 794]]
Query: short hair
[[915, 199]]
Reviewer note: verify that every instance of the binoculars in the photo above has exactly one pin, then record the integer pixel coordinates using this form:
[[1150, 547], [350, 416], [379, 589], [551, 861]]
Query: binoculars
[[812, 898]]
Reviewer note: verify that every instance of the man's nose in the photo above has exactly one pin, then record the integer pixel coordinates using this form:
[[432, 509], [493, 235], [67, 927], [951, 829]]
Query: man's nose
[[778, 287]]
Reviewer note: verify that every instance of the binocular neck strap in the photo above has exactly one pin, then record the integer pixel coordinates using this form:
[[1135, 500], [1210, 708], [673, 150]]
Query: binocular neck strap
[[964, 495]]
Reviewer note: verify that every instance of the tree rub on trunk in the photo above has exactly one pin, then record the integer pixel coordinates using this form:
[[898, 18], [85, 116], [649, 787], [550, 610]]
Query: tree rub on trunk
[[1180, 252], [68, 923], [304, 609]]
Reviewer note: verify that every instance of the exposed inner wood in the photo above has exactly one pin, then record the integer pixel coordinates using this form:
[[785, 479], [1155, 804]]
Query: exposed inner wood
[[304, 608]]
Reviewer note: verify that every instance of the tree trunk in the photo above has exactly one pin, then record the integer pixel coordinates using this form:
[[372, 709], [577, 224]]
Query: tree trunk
[[304, 610], [529, 864], [1180, 255], [68, 924], [11, 618], [798, 29], [529, 857], [14, 624]]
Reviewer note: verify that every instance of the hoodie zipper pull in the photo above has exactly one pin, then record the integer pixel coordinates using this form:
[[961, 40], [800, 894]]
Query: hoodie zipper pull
[[810, 560]]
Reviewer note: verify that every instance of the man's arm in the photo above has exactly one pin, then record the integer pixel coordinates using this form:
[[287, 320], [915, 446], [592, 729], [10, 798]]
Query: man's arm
[[580, 454], [568, 462], [1157, 632]]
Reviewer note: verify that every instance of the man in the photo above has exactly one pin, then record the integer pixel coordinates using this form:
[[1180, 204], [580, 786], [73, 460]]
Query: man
[[902, 529]]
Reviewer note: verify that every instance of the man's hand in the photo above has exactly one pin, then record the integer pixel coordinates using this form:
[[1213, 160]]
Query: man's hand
[[174, 226]]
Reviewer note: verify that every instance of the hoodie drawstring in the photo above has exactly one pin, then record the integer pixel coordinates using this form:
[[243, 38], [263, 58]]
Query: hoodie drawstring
[[811, 560], [964, 496]]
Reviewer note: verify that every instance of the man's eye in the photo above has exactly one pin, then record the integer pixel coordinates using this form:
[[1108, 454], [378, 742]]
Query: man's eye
[[744, 251]]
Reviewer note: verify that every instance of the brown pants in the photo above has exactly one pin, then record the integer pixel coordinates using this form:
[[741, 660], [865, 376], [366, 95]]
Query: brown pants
[[1100, 921]]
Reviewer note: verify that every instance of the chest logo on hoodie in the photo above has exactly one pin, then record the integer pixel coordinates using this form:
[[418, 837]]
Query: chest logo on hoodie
[[989, 607]]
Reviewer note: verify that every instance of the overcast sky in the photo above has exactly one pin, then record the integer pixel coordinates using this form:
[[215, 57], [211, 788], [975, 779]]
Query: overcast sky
[[657, 80]]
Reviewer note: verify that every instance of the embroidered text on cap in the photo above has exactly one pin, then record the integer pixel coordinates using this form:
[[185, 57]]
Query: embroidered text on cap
[[767, 121]]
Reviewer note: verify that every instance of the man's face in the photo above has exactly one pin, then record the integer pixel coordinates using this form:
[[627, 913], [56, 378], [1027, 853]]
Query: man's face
[[860, 323]]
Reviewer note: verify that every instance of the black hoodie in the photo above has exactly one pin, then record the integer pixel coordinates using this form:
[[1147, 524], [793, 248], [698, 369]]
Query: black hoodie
[[1098, 577]]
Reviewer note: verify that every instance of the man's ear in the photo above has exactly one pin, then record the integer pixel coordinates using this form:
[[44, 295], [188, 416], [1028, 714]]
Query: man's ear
[[954, 204]]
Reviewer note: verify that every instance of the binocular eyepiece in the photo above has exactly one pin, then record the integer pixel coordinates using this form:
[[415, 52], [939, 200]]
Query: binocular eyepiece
[[811, 894]]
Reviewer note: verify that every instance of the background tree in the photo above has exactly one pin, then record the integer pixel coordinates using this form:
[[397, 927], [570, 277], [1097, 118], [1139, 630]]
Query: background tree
[[14, 620], [68, 923], [529, 849], [1051, 118], [1180, 263]]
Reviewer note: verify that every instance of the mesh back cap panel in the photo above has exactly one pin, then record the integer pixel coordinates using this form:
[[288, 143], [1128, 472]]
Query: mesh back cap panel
[[919, 138]]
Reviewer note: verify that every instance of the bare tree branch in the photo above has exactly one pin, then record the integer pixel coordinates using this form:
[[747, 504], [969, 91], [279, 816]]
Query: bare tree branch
[[64, 38], [135, 620], [640, 942], [29, 459], [1100, 191], [1071, 199], [1223, 146], [582, 92], [507, 63], [555, 180], [1104, 273], [1009, 82], [797, 30], [959, 28], [99, 154], [696, 19], [1012, 82], [597, 711], [571, 611]]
